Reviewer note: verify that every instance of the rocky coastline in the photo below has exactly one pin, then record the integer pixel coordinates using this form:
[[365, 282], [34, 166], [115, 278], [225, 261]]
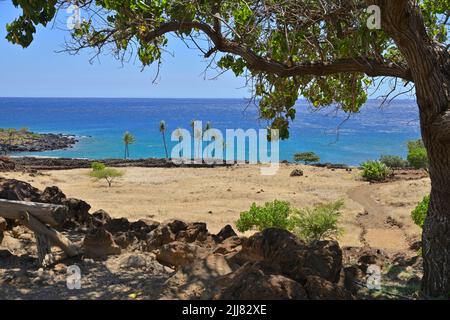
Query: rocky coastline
[[14, 141]]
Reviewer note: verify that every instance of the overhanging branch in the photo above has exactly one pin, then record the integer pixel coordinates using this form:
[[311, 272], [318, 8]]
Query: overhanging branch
[[255, 62]]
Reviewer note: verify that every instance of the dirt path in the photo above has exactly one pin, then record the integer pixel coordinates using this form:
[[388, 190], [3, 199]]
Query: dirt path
[[378, 228]]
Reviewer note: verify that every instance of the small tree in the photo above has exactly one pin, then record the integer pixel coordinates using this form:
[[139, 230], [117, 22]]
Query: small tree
[[306, 157], [417, 154], [162, 129], [128, 139], [100, 172]]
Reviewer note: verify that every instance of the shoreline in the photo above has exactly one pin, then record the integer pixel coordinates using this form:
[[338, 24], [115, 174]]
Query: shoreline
[[14, 141], [62, 163]]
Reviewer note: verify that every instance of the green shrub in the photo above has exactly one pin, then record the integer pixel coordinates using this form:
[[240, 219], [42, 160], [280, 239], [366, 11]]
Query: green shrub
[[97, 166], [420, 212], [375, 171], [317, 223], [394, 161], [417, 154], [306, 157], [100, 172], [272, 215]]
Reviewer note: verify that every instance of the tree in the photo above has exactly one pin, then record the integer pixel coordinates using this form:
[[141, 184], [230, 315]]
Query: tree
[[306, 157], [128, 139], [417, 154], [162, 129], [100, 172], [321, 50]]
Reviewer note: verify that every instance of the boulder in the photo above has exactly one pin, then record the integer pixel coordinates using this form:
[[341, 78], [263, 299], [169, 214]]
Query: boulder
[[297, 173], [318, 288], [143, 227], [165, 233], [77, 214], [53, 195], [117, 225], [196, 231], [19, 191], [99, 243], [225, 233], [196, 280], [256, 281], [229, 245], [100, 217], [176, 254], [295, 259]]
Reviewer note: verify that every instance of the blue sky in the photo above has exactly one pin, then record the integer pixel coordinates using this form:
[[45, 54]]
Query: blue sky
[[39, 71]]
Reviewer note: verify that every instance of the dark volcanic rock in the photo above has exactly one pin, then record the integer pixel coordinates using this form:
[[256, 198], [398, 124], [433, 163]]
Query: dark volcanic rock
[[53, 195], [99, 243], [255, 281], [292, 257], [19, 191], [297, 173], [320, 289], [40, 142], [225, 233]]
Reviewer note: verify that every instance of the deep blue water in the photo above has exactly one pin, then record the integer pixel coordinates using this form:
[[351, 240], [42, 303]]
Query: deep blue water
[[100, 123]]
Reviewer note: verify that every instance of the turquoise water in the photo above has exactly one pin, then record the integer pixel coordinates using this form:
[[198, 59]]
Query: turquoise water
[[100, 124]]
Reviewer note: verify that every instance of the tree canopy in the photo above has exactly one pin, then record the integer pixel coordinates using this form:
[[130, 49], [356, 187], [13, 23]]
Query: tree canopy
[[321, 50]]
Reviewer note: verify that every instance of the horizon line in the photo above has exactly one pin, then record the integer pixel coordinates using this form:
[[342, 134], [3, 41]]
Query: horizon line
[[162, 98]]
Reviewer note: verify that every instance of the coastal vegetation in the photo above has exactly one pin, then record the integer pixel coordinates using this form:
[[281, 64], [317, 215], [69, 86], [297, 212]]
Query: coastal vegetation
[[394, 162], [417, 154], [128, 139], [420, 212], [306, 157], [20, 140], [375, 171], [101, 172], [162, 129], [314, 223]]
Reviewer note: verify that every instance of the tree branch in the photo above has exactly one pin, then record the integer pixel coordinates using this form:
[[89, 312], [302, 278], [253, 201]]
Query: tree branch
[[255, 62]]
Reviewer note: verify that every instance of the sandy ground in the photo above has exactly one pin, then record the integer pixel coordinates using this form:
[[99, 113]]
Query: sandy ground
[[217, 196]]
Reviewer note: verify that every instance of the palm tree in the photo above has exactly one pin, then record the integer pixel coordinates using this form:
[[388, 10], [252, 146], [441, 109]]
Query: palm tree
[[128, 139], [193, 127], [162, 129]]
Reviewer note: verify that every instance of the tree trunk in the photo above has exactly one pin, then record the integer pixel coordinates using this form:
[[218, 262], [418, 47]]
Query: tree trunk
[[429, 64], [165, 146], [436, 229]]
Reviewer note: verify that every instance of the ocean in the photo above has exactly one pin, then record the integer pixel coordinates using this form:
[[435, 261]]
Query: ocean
[[100, 124]]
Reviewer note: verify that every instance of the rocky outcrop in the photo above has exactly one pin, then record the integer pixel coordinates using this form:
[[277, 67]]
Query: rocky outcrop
[[178, 253], [291, 256], [297, 173], [255, 281], [99, 243], [272, 264], [32, 142]]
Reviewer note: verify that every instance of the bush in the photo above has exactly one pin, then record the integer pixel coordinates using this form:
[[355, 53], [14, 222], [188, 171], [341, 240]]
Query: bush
[[317, 223], [272, 215], [375, 171], [97, 166], [420, 212], [100, 172], [309, 224], [394, 161], [417, 154], [306, 157]]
